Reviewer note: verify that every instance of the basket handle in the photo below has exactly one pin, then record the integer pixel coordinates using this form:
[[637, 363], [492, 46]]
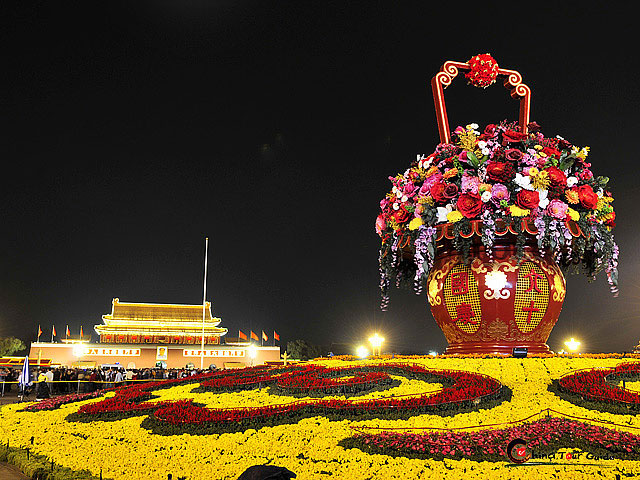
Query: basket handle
[[449, 71]]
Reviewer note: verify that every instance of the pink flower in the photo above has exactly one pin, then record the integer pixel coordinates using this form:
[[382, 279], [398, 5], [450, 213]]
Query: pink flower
[[430, 182], [557, 209], [409, 189], [470, 184], [499, 192]]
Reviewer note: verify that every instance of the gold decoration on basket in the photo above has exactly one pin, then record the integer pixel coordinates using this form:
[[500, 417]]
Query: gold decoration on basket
[[462, 298], [435, 281], [532, 296]]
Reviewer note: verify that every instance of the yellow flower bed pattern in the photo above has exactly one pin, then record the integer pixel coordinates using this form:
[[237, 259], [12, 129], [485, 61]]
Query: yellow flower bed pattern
[[125, 450]]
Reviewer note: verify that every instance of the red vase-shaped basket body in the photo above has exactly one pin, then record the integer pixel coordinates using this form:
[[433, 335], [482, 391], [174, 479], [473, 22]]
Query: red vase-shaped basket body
[[495, 302]]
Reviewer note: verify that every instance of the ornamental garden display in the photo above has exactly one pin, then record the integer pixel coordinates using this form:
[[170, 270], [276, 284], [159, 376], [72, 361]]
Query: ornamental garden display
[[486, 224]]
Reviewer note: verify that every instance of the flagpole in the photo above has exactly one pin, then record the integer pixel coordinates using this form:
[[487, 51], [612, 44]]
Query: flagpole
[[204, 300], [52, 333]]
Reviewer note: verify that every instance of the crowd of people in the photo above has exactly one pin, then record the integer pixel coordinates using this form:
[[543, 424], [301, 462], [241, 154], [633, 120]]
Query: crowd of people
[[64, 380]]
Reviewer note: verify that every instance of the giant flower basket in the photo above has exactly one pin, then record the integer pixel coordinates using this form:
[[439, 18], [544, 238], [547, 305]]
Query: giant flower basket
[[488, 222]]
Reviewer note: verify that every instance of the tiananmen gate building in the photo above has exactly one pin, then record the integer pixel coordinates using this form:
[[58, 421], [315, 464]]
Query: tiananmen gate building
[[139, 335]]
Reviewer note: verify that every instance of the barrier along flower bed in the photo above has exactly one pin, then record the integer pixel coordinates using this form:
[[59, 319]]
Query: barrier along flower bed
[[544, 436], [594, 388], [463, 391]]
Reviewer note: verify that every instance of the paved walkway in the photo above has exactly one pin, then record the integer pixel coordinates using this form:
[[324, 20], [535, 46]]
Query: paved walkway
[[9, 472]]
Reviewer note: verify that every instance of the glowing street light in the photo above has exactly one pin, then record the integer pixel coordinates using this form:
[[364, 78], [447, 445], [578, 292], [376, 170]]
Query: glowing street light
[[572, 344], [253, 352], [362, 351], [376, 342]]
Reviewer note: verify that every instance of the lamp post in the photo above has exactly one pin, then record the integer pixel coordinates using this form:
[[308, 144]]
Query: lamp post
[[572, 344], [362, 351], [376, 343], [253, 352]]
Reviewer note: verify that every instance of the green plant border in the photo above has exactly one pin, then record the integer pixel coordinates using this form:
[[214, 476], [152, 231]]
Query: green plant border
[[41, 467]]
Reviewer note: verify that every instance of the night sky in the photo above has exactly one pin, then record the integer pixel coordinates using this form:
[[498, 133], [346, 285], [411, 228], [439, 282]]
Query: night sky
[[130, 131]]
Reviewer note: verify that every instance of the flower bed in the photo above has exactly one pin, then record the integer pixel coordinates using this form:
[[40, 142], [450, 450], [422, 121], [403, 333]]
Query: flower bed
[[311, 446], [544, 436], [463, 391], [593, 389]]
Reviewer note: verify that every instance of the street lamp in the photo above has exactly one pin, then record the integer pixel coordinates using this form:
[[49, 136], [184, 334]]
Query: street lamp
[[253, 352], [362, 351], [572, 344], [376, 343]]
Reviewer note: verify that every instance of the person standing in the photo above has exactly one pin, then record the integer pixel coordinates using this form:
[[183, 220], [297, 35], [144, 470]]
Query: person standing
[[49, 374]]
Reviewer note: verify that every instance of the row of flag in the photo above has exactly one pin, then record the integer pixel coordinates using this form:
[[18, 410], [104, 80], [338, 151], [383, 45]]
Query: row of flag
[[262, 339], [54, 334]]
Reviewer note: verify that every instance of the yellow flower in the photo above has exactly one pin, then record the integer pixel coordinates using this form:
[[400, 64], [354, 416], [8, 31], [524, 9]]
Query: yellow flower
[[583, 153], [415, 223], [572, 197], [484, 187], [432, 171], [541, 180], [452, 172], [422, 199], [575, 216], [516, 211], [454, 216]]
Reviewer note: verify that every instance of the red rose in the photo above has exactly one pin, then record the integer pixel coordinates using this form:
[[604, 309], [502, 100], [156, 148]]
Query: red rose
[[450, 191], [557, 176], [611, 221], [588, 198], [437, 192], [500, 171], [533, 127], [470, 205], [551, 152], [401, 215], [511, 136], [513, 155], [490, 130], [528, 199]]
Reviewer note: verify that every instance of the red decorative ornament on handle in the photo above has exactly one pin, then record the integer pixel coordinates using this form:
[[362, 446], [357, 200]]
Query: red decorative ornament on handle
[[480, 75]]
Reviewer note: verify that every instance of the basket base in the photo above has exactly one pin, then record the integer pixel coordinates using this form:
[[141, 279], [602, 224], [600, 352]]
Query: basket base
[[502, 348]]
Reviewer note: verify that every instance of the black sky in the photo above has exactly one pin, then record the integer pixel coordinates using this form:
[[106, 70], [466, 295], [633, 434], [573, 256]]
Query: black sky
[[130, 130]]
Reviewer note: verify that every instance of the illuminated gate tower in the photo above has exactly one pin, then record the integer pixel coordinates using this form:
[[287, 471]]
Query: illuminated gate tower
[[136, 323]]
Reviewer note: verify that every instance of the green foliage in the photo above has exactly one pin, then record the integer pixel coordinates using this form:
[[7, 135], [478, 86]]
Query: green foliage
[[39, 467], [10, 345], [303, 350]]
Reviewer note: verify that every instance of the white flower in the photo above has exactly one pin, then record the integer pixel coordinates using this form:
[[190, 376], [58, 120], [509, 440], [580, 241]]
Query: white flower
[[544, 201], [482, 144], [485, 151], [523, 181], [396, 206], [473, 126], [600, 192], [404, 198], [571, 181], [443, 211], [486, 196]]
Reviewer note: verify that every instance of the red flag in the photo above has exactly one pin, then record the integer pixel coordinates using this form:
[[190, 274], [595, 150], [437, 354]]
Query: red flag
[[264, 336], [68, 332], [39, 331], [276, 336], [53, 333], [81, 334], [241, 335], [254, 336]]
